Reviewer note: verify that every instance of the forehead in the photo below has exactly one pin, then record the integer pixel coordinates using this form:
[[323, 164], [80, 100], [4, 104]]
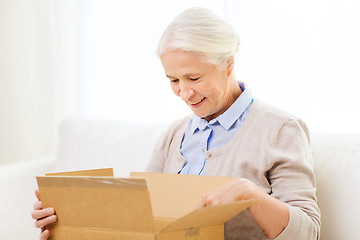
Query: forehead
[[177, 63]]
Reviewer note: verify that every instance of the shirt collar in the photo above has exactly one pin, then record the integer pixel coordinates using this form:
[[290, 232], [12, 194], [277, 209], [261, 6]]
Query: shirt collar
[[230, 116]]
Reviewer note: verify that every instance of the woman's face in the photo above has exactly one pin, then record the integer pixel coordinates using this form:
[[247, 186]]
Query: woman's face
[[207, 90]]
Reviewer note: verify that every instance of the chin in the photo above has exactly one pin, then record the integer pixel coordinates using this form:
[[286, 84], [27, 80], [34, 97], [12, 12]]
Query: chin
[[202, 115]]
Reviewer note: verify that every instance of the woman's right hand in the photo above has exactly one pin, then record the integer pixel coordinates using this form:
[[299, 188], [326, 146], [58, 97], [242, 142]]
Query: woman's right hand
[[43, 217]]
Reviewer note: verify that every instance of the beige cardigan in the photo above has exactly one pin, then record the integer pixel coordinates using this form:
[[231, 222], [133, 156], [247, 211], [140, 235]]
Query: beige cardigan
[[271, 149]]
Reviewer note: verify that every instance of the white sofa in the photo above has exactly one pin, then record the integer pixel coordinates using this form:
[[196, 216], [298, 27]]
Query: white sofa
[[86, 144]]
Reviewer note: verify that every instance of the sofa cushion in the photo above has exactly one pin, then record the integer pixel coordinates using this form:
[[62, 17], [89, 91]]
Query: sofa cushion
[[124, 146], [88, 144], [337, 170]]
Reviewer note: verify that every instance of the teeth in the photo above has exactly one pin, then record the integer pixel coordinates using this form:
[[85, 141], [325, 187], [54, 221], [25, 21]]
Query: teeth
[[193, 103]]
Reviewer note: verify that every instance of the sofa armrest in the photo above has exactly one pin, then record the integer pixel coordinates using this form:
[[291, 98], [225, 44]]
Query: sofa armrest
[[18, 183], [337, 167]]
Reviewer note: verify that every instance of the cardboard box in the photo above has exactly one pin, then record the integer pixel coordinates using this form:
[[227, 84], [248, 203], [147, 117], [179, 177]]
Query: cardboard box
[[94, 205]]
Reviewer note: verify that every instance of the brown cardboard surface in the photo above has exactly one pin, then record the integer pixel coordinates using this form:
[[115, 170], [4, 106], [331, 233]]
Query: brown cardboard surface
[[161, 223], [103, 172], [79, 202], [72, 233], [179, 194], [205, 233], [209, 216], [94, 207]]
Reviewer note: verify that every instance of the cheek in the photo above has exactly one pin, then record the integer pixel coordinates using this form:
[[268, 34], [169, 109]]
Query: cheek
[[175, 89], [214, 93]]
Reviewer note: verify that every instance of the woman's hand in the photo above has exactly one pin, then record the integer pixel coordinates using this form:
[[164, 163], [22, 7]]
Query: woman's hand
[[237, 190], [43, 217], [271, 214]]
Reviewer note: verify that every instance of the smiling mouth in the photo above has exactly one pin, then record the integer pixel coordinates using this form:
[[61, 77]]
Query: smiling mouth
[[199, 101]]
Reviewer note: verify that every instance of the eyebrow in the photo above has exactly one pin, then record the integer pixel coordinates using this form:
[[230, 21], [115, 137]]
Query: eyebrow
[[185, 75]]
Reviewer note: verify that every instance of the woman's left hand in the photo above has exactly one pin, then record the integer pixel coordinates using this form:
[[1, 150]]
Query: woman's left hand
[[237, 190], [271, 214]]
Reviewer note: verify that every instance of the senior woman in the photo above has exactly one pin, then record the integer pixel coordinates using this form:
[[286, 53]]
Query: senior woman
[[230, 134]]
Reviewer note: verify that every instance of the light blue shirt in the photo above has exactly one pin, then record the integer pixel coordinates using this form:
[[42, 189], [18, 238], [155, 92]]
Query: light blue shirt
[[201, 135]]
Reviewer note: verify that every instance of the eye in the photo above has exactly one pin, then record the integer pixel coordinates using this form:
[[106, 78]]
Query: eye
[[194, 79], [174, 80]]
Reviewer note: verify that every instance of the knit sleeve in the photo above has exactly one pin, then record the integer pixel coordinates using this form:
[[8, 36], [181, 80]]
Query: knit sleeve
[[157, 160], [164, 157], [293, 181]]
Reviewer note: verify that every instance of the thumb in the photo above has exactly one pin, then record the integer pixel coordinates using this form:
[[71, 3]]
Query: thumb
[[37, 194], [201, 204]]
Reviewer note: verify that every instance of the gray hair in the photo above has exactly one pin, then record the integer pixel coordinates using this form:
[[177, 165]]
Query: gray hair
[[201, 31]]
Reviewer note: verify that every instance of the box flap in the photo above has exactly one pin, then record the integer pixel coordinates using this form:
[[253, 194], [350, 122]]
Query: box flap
[[98, 202], [174, 195], [102, 172], [209, 216], [161, 223], [76, 233]]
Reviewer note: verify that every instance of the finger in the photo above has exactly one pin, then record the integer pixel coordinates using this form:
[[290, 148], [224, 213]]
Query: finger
[[37, 205], [37, 214], [201, 204], [37, 194], [45, 221], [206, 201], [44, 235]]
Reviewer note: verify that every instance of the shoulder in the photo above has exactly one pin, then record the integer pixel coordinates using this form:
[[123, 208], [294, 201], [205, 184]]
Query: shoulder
[[270, 119], [167, 146], [178, 126], [264, 110], [174, 131]]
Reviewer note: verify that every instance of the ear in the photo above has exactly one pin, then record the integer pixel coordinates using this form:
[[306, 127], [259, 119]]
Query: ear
[[230, 65]]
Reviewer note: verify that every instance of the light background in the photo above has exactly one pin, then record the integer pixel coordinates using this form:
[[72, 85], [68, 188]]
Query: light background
[[96, 59]]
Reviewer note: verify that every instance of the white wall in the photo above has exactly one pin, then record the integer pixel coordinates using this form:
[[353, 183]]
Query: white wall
[[127, 80], [304, 57], [300, 56], [40, 74], [25, 94], [96, 58]]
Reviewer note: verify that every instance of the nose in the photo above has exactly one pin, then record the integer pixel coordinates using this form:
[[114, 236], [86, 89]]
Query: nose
[[185, 92]]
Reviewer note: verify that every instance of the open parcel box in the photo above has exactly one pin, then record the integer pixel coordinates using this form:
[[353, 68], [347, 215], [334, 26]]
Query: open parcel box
[[94, 205]]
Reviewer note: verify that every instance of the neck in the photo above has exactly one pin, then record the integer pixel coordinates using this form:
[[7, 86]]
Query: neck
[[235, 90]]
